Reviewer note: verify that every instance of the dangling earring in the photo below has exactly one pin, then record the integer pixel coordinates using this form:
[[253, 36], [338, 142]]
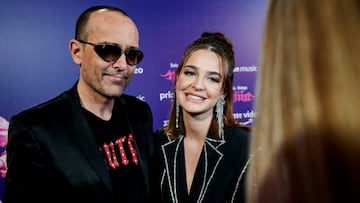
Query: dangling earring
[[220, 116], [177, 114]]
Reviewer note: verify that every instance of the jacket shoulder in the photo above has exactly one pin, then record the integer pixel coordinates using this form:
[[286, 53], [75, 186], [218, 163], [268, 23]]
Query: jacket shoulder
[[238, 132], [135, 107], [238, 137], [160, 137], [54, 109]]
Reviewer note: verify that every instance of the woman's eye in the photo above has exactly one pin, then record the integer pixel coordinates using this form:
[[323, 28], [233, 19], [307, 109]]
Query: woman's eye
[[189, 73], [216, 80]]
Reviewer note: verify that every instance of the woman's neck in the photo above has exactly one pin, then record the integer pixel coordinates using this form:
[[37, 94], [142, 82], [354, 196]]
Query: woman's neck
[[196, 127]]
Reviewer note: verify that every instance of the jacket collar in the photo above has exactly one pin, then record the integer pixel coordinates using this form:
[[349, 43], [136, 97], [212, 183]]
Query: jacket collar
[[84, 137], [171, 153]]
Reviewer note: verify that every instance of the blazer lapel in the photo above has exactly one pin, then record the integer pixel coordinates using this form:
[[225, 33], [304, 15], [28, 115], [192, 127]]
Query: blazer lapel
[[80, 130], [170, 152], [85, 139], [212, 159]]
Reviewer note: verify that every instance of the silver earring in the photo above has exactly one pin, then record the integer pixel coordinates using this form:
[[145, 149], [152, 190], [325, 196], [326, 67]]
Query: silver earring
[[220, 116], [177, 113]]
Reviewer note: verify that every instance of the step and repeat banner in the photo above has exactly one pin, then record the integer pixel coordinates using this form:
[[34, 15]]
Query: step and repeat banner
[[35, 63]]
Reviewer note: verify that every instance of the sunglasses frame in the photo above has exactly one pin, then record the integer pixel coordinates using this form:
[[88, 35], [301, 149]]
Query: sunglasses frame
[[99, 47]]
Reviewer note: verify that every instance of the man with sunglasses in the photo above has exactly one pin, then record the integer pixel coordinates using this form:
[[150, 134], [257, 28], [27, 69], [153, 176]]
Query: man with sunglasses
[[92, 143]]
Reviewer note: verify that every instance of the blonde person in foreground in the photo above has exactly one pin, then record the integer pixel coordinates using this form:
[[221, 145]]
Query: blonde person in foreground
[[306, 141], [203, 150]]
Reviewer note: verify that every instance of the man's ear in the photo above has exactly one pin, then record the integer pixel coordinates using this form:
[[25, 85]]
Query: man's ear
[[75, 51]]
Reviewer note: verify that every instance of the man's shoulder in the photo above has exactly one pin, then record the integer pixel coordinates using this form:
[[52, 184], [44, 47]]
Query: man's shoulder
[[135, 108], [132, 101], [49, 109]]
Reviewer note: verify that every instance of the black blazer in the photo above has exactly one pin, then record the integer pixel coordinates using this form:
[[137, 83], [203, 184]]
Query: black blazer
[[220, 175], [53, 156]]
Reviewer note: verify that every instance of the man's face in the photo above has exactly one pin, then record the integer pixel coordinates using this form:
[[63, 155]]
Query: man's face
[[100, 77]]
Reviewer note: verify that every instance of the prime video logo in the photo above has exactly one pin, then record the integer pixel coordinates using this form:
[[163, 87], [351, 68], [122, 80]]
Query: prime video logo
[[166, 95]]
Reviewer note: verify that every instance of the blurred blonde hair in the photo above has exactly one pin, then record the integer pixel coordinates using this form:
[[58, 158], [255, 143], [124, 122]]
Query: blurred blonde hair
[[306, 135]]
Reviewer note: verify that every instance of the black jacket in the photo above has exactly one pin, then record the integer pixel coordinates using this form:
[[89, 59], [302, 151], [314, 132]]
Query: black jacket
[[53, 156], [220, 175]]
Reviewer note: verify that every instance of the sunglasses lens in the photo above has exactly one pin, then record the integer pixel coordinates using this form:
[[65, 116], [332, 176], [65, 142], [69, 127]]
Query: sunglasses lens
[[133, 56], [111, 53], [108, 52]]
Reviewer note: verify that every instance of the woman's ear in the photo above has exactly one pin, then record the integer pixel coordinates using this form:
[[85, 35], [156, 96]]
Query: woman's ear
[[223, 96]]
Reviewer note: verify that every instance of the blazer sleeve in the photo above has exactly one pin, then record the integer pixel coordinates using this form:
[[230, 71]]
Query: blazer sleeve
[[27, 177]]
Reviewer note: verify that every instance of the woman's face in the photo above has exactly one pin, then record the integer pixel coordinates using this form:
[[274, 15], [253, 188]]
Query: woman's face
[[199, 84]]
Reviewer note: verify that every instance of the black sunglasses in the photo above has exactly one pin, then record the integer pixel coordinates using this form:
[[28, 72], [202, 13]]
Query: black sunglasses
[[112, 52]]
